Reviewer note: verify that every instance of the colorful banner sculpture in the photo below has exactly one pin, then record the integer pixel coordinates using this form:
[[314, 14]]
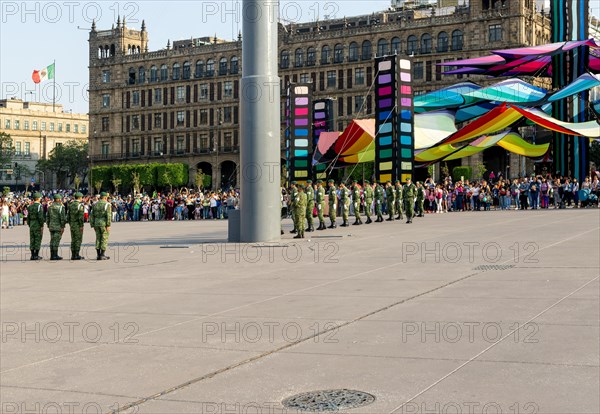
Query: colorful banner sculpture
[[322, 122], [406, 127], [385, 119], [298, 136]]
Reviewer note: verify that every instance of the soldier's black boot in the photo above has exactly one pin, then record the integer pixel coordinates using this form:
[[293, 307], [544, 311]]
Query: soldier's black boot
[[37, 255], [356, 223], [103, 256], [54, 255], [321, 226], [98, 254], [344, 224], [75, 256], [298, 236], [369, 221], [32, 254], [294, 231], [282, 232]]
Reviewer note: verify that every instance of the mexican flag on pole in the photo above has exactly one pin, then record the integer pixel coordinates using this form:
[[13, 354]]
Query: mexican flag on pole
[[43, 74]]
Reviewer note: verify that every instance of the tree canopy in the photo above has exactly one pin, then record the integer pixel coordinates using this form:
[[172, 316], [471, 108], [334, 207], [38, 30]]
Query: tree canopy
[[66, 161]]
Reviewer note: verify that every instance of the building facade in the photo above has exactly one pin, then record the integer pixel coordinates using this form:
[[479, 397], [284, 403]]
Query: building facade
[[181, 103], [36, 129]]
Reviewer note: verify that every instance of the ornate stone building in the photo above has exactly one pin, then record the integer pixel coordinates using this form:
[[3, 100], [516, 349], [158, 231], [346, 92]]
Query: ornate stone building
[[36, 129], [181, 103]]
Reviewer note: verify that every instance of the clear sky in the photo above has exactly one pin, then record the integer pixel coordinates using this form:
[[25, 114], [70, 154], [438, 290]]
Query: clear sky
[[33, 34]]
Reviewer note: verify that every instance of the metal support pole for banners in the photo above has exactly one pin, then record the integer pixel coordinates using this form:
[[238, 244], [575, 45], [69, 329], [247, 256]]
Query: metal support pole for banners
[[260, 144], [54, 87]]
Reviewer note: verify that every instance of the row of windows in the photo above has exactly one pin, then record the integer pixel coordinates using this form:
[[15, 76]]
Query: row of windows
[[179, 94], [160, 146], [50, 126], [178, 72], [364, 51]]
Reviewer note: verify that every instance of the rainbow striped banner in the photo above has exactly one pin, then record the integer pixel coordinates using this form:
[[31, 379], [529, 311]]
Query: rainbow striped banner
[[322, 121]]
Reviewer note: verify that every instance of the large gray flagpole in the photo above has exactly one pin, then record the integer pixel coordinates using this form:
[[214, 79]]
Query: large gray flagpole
[[260, 154]]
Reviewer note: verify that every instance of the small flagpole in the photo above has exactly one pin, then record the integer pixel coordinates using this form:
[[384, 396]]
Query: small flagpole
[[54, 88]]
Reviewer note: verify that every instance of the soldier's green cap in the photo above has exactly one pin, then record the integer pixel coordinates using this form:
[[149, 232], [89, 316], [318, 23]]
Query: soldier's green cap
[[78, 195], [103, 194], [301, 186], [57, 196], [355, 181], [331, 181], [319, 181], [308, 181], [294, 183], [367, 182], [397, 181], [37, 195]]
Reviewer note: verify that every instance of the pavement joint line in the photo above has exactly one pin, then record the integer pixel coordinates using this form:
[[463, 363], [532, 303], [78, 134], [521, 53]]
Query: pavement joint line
[[283, 295], [492, 361], [292, 344], [329, 282], [69, 391], [510, 333], [491, 346]]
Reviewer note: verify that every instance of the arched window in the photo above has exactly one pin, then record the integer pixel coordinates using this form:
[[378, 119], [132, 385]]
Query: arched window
[[131, 76], [366, 50], [411, 44], [141, 74], [176, 71], [338, 53], [153, 74], [457, 40], [396, 45], [100, 52], [223, 66], [112, 50], [164, 72], [442, 42], [311, 56], [235, 65], [285, 59], [426, 43], [353, 52], [210, 67], [199, 69], [325, 55], [129, 49], [382, 47], [299, 58], [186, 70]]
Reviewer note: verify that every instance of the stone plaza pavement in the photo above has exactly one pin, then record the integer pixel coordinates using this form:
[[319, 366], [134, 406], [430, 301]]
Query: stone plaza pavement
[[462, 312]]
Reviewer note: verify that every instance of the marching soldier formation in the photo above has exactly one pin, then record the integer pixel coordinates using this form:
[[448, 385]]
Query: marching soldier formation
[[395, 199], [57, 216]]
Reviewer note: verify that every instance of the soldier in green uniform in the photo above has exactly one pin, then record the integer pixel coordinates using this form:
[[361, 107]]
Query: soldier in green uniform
[[35, 221], [332, 204], [390, 195], [299, 207], [293, 195], [310, 205], [345, 203], [356, 203], [321, 204], [420, 199], [100, 221], [75, 217], [409, 192], [378, 192], [368, 194], [398, 191], [56, 219]]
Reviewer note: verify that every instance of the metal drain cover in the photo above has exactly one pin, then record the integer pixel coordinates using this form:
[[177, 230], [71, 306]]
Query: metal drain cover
[[328, 400], [493, 267]]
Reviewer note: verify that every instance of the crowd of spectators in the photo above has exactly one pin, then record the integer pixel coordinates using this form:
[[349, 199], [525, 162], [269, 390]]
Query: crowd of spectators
[[493, 193]]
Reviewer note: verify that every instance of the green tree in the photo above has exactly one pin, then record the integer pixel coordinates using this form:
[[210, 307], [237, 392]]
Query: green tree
[[199, 180], [480, 170], [7, 150], [363, 170], [77, 182], [116, 182], [66, 161], [98, 186], [136, 183]]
